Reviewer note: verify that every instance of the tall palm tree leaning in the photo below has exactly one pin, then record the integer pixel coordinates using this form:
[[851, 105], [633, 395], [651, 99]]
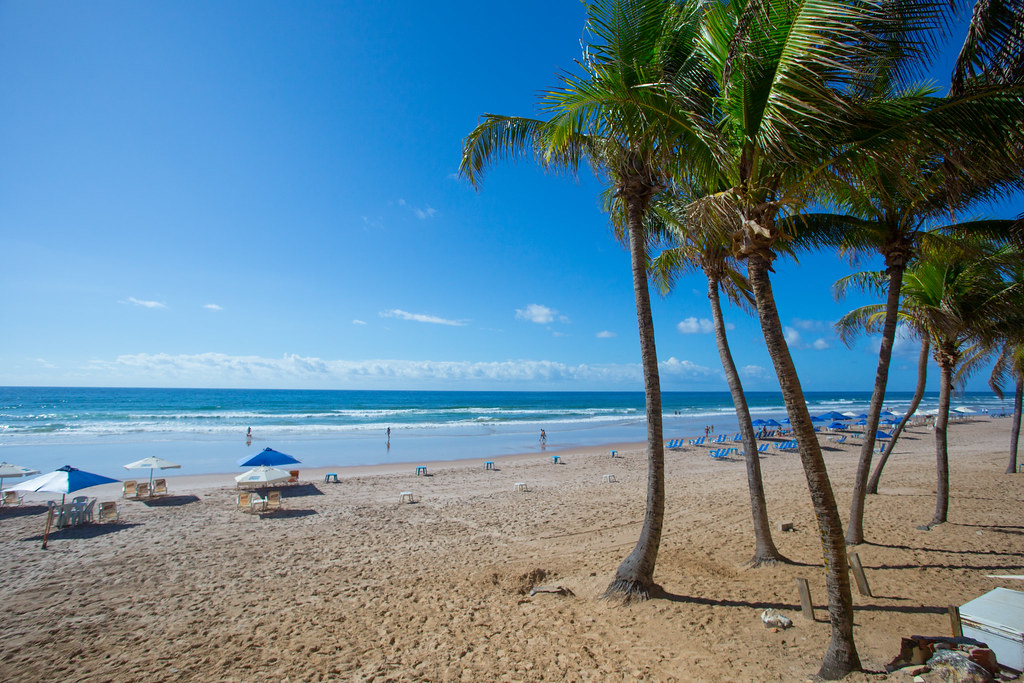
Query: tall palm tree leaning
[[870, 319], [706, 247], [915, 401], [630, 135]]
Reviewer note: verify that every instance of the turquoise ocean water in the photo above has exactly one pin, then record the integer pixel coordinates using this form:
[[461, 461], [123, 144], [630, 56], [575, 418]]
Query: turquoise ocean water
[[205, 429]]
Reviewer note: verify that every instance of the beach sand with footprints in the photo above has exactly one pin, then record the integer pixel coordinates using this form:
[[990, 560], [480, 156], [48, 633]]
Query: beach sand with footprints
[[346, 583]]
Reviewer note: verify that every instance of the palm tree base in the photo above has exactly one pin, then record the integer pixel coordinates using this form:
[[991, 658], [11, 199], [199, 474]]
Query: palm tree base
[[767, 561], [628, 591]]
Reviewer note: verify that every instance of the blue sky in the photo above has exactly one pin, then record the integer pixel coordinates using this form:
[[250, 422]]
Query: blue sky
[[260, 194]]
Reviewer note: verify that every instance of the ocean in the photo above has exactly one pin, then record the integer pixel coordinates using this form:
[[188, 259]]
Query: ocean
[[205, 430]]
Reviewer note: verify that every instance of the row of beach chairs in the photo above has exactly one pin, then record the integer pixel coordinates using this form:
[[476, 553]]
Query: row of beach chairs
[[140, 489]]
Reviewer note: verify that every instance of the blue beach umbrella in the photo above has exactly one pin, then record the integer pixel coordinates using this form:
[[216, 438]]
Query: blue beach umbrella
[[63, 481], [882, 435], [268, 457], [837, 425], [890, 421], [861, 423], [758, 422], [771, 423], [832, 415]]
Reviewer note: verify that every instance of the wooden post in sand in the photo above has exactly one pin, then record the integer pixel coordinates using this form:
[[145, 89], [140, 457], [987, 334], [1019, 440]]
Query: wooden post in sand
[[49, 523], [954, 621], [805, 599], [858, 575]]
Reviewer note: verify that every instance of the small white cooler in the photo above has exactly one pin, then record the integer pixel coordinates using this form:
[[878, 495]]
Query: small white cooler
[[997, 619]]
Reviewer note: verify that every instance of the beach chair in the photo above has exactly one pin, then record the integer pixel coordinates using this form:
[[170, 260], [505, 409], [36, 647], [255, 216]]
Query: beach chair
[[88, 512], [109, 510], [243, 501], [128, 489], [81, 510], [159, 487], [11, 498], [698, 442], [721, 453], [273, 502], [142, 489], [738, 437], [294, 479], [59, 518]]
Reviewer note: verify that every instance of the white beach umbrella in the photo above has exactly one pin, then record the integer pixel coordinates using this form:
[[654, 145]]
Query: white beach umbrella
[[151, 463], [65, 480], [965, 410], [7, 470], [262, 476]]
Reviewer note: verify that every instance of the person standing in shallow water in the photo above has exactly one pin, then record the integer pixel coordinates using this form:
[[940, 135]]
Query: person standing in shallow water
[[543, 438]]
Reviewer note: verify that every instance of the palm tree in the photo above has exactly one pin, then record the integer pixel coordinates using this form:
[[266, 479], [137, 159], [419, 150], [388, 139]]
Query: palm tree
[[871, 319], [891, 221], [706, 247], [953, 298], [631, 135], [790, 104], [1010, 364], [922, 376]]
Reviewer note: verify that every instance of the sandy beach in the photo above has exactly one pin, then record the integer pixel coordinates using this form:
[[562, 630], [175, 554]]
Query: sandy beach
[[347, 584]]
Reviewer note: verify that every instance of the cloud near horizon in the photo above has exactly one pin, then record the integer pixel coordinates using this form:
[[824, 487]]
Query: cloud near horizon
[[293, 371], [421, 318]]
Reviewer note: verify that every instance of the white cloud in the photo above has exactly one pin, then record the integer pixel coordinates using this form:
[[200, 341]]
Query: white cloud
[[426, 213], [605, 334], [358, 322], [212, 307], [684, 368], [695, 326], [754, 372], [793, 337], [421, 318], [812, 325], [217, 369], [46, 364], [536, 313], [796, 341], [146, 304]]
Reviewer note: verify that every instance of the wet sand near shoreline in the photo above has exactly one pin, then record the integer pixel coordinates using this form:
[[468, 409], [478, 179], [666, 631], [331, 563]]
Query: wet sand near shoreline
[[346, 583]]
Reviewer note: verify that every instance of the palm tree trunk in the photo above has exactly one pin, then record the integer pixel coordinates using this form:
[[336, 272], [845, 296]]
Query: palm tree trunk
[[841, 656], [922, 376], [1018, 397], [765, 551], [945, 361], [855, 526], [634, 579]]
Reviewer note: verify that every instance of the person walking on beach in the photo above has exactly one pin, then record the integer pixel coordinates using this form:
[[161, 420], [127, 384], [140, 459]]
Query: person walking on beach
[[543, 438]]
